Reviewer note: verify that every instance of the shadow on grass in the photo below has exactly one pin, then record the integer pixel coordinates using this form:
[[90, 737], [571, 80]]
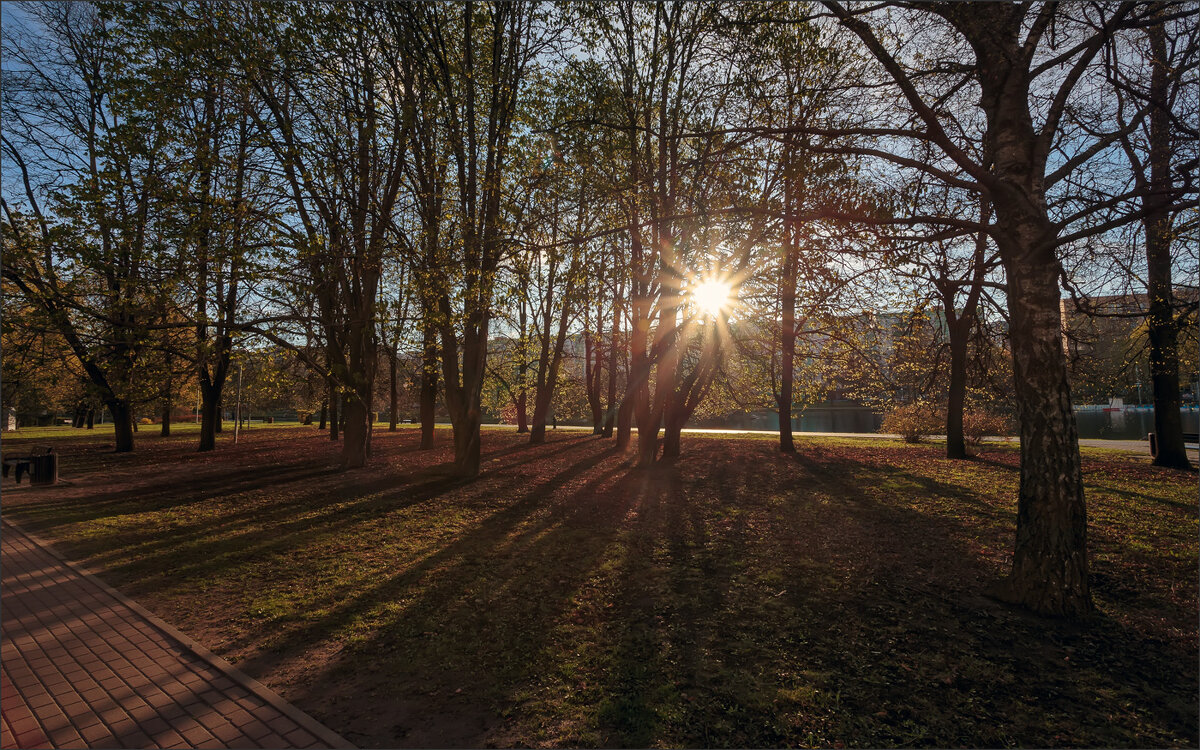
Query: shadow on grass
[[736, 598]]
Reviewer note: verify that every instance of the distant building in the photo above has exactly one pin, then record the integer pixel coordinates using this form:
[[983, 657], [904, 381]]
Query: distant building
[[1105, 343]]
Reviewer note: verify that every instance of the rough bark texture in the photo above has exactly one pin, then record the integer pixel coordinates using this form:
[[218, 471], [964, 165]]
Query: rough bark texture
[[166, 421], [210, 415], [1050, 566], [1163, 330], [123, 426], [356, 436], [625, 422], [522, 406], [787, 341]]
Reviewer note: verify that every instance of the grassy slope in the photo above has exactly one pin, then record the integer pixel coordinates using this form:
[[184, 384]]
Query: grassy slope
[[739, 598]]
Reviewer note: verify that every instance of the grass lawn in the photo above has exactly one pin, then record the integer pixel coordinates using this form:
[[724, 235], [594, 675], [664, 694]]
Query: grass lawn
[[739, 598]]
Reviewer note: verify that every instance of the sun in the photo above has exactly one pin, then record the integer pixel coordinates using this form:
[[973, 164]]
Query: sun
[[713, 296]]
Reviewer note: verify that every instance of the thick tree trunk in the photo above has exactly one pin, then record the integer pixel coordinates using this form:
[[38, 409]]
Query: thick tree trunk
[[1050, 567], [639, 389], [123, 424], [597, 417], [324, 414], [522, 406], [91, 417], [787, 346], [356, 443], [464, 401], [467, 444], [362, 362], [956, 444], [625, 422], [541, 408], [666, 387], [672, 440], [166, 421], [1164, 356], [1164, 376], [210, 416]]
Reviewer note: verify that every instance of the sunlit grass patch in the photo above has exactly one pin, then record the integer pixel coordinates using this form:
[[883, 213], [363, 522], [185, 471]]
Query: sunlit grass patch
[[741, 597]]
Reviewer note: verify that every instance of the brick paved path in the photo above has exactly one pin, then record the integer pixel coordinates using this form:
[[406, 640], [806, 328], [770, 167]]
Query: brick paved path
[[82, 666]]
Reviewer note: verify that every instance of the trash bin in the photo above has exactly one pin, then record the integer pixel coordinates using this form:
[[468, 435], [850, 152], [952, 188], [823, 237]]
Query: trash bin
[[44, 469]]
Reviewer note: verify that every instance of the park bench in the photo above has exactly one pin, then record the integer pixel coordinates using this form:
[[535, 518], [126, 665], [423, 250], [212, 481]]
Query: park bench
[[41, 463], [1189, 438]]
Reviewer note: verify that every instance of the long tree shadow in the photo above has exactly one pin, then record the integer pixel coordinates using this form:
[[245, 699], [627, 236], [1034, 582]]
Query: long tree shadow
[[737, 598]]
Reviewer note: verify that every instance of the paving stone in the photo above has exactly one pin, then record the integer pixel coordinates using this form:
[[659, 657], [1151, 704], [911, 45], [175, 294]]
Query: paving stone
[[82, 665]]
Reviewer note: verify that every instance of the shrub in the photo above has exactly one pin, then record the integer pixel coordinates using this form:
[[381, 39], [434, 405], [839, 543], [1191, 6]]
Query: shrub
[[980, 424], [913, 421], [145, 420]]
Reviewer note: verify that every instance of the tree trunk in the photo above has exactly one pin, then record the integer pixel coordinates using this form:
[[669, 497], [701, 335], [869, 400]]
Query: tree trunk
[[956, 444], [166, 421], [666, 385], [1164, 356], [324, 414], [334, 418], [637, 391], [429, 386], [362, 362], [1049, 570], [394, 396], [548, 366], [521, 402], [597, 413], [522, 406], [123, 424], [356, 445], [672, 438], [787, 342], [91, 417], [541, 408], [467, 445], [210, 417], [610, 416], [592, 372]]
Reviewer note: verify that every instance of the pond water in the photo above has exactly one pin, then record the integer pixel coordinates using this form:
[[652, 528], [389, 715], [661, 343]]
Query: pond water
[[1131, 423]]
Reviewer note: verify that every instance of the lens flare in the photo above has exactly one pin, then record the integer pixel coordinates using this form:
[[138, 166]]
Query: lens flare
[[713, 297]]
